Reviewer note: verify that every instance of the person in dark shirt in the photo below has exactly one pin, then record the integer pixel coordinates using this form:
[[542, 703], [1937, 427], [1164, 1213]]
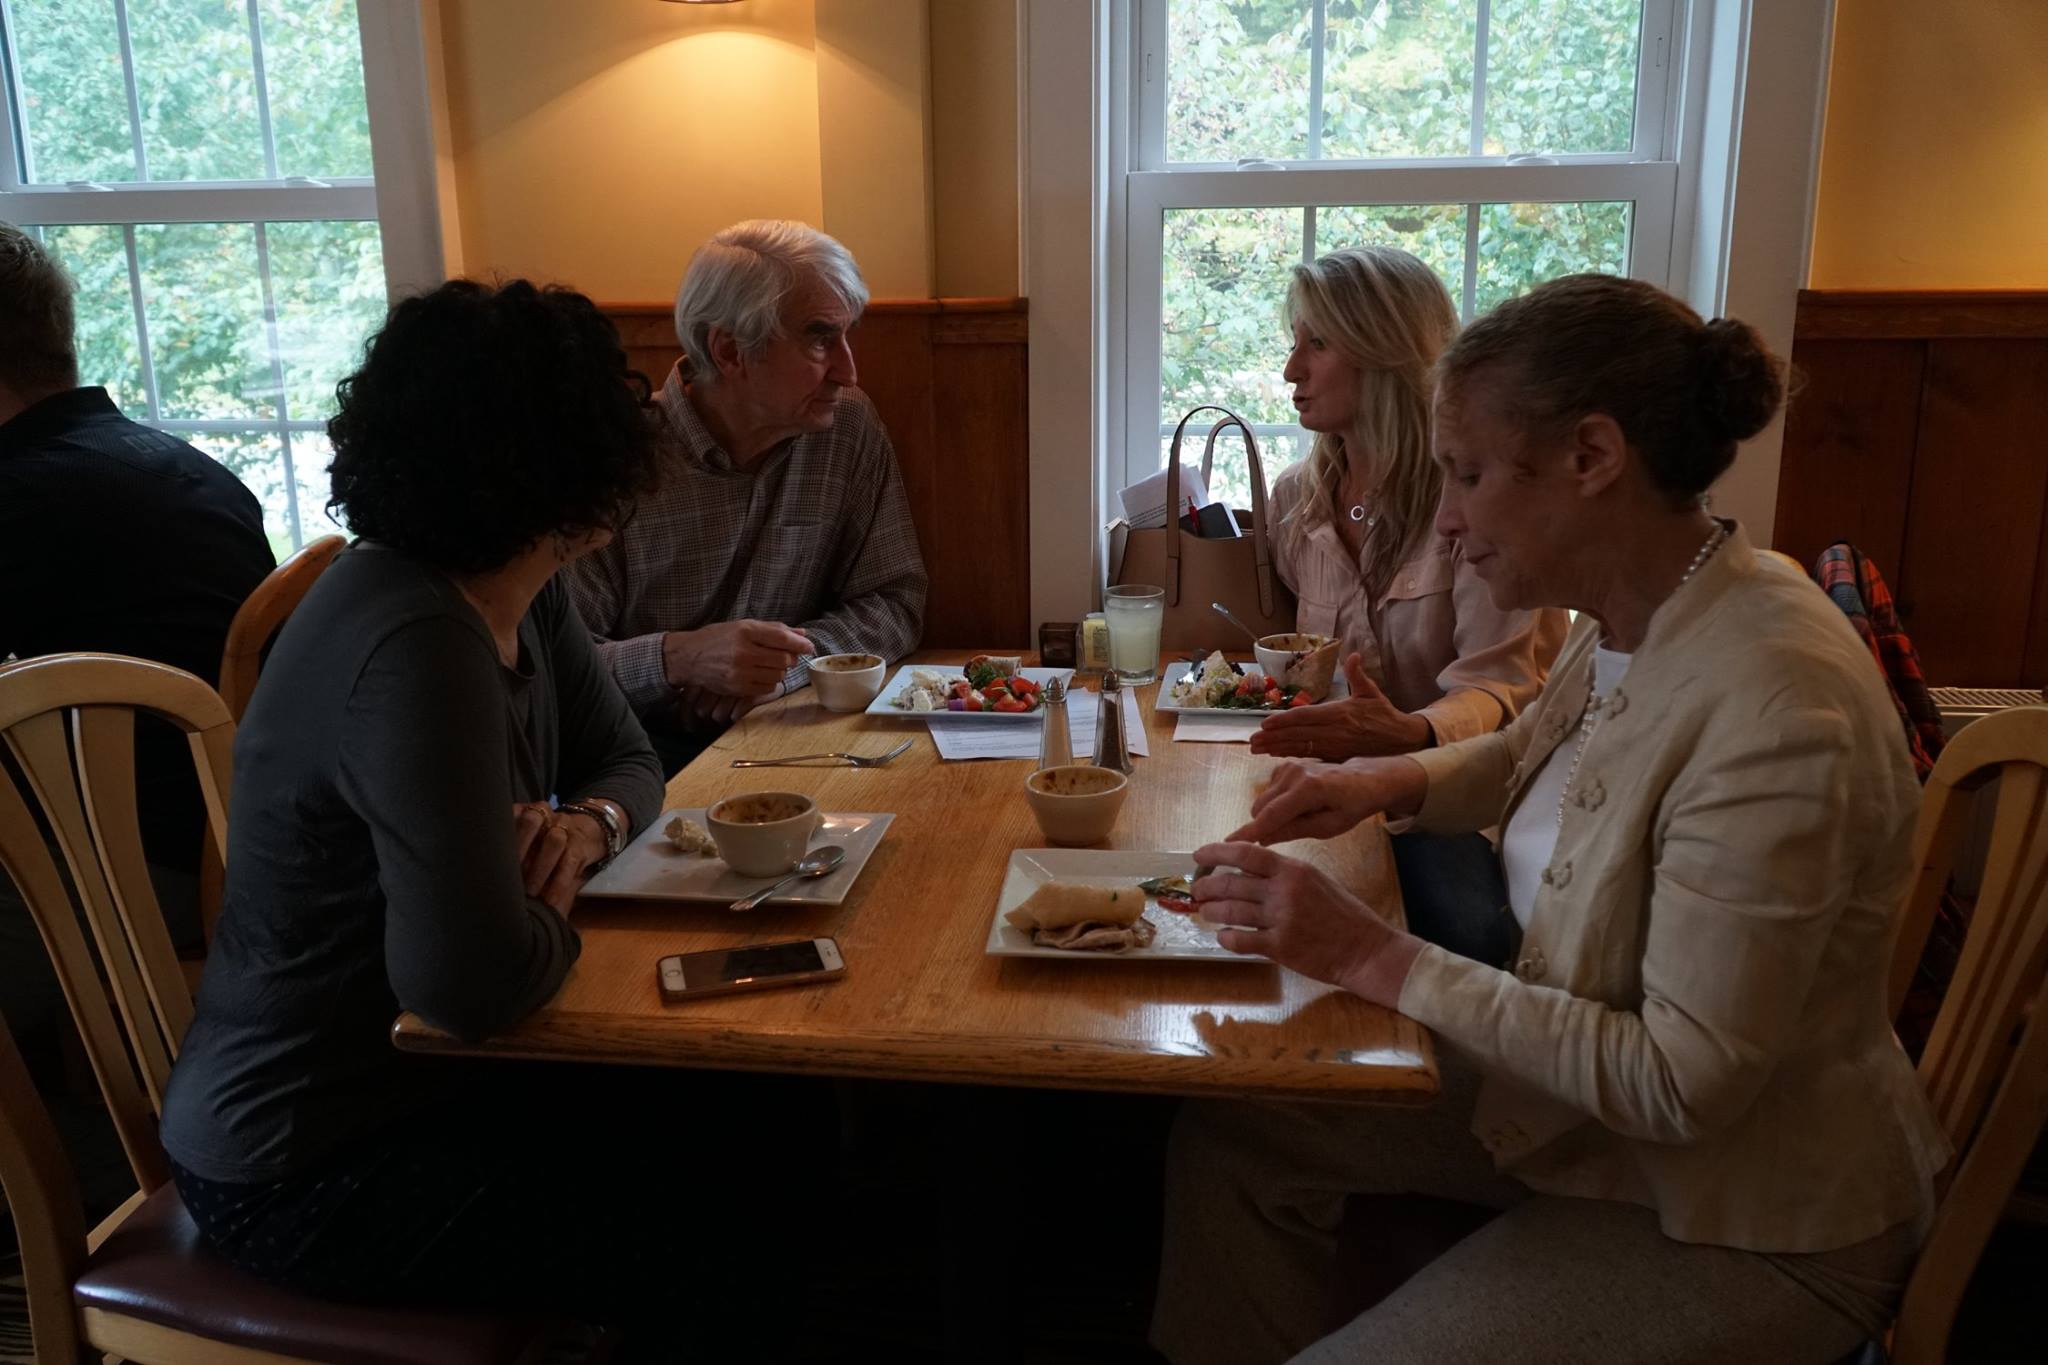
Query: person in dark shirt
[[118, 539], [433, 760]]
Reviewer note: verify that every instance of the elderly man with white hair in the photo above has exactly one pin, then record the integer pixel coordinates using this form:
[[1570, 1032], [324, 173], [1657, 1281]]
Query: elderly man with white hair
[[780, 527]]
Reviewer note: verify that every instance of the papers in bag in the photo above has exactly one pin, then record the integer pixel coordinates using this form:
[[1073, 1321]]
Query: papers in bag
[[1145, 501], [956, 737]]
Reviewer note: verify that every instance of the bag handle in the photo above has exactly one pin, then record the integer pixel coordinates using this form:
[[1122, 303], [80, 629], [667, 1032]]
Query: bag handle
[[1262, 552]]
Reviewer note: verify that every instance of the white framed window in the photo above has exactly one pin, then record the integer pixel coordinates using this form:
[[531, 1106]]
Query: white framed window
[[205, 169], [1504, 142]]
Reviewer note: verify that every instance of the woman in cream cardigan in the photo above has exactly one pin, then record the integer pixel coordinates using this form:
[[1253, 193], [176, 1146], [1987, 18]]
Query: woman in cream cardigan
[[1684, 1097]]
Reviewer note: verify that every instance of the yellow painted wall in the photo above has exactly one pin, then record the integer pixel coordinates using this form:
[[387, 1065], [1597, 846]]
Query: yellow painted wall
[[874, 139], [598, 142], [1934, 160], [974, 146]]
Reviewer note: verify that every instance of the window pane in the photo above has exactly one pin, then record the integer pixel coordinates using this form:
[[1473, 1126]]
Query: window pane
[[1561, 76], [196, 74], [328, 283], [1522, 245], [71, 92], [1237, 78], [313, 66], [1225, 288], [108, 351], [1230, 480], [311, 454], [1397, 78], [1433, 233], [257, 459], [203, 297]]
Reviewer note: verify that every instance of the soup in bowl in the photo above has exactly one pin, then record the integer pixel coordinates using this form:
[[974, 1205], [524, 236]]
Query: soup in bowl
[[1076, 803], [846, 682], [763, 834], [1279, 653]]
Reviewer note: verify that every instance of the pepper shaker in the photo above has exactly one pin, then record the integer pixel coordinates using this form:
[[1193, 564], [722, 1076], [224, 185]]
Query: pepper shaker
[[1111, 747], [1056, 743]]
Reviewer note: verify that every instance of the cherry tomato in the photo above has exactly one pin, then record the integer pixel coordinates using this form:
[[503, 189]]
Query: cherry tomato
[[1301, 699], [1183, 905], [971, 703], [1011, 704]]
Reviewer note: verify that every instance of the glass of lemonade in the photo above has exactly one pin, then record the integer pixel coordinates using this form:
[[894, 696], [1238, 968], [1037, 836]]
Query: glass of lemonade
[[1133, 612]]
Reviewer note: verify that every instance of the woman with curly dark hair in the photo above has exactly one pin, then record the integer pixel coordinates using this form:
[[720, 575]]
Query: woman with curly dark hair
[[433, 761]]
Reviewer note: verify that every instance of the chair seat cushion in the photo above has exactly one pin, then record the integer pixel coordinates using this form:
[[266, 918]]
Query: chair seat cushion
[[156, 1267]]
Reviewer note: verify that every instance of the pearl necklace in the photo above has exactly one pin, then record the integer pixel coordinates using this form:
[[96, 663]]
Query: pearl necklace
[[1595, 702]]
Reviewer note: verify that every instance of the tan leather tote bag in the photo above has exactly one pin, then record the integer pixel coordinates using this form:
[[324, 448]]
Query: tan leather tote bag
[[1196, 572]]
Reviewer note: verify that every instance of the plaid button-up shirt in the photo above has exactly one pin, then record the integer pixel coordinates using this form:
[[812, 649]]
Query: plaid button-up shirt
[[815, 534]]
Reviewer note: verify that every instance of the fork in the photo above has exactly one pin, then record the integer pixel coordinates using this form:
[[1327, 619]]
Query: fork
[[850, 760]]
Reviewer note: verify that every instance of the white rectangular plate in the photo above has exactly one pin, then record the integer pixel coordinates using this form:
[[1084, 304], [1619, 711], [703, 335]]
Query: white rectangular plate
[[1178, 669], [884, 703], [1175, 935], [651, 868]]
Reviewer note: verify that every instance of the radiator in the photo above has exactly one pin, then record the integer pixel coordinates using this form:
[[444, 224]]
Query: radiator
[[1959, 706]]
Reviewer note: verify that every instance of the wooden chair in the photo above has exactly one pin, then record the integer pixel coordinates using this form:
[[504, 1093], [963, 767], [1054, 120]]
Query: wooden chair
[[1986, 1063], [141, 1286], [259, 619], [256, 624]]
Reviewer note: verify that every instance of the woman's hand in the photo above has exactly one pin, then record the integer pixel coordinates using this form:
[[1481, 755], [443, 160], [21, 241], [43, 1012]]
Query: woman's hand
[[553, 850], [1301, 918], [1316, 801], [1361, 724]]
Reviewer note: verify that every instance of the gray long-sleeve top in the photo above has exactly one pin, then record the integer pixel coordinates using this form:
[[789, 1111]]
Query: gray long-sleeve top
[[371, 865]]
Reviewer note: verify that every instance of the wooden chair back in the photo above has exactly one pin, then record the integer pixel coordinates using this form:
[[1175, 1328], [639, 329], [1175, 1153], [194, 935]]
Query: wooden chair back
[[259, 619], [256, 624], [69, 722], [1986, 1063]]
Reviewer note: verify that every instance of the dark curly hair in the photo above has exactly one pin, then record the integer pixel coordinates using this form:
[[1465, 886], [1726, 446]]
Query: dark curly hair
[[1683, 391], [486, 417]]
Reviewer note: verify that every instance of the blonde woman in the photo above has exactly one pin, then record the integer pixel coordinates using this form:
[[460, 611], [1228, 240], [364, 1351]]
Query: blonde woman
[[1430, 659]]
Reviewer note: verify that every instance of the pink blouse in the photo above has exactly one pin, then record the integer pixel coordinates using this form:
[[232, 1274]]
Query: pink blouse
[[1433, 641]]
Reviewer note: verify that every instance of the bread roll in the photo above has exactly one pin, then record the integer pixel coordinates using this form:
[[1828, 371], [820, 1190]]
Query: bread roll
[[1313, 671], [1055, 905]]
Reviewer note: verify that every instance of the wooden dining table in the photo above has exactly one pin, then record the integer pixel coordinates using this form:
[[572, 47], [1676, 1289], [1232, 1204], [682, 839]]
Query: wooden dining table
[[921, 997]]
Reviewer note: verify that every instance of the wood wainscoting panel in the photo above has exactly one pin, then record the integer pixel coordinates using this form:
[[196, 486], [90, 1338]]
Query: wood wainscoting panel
[[1848, 462], [948, 378], [1920, 435], [1973, 529]]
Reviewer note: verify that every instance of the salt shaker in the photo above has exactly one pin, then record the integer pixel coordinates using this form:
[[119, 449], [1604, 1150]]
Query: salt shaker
[[1056, 743], [1111, 748]]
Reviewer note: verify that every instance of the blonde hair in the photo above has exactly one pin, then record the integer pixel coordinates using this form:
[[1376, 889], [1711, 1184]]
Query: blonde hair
[[1389, 315]]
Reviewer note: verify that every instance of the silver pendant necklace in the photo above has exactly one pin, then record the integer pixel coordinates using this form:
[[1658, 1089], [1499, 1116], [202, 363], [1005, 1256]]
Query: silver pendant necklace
[[1595, 702], [1358, 513]]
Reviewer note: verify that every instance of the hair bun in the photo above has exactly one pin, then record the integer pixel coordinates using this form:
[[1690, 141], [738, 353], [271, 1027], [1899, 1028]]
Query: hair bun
[[1740, 382]]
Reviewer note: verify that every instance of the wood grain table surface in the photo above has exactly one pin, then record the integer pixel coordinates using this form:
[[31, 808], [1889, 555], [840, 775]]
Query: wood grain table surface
[[921, 999]]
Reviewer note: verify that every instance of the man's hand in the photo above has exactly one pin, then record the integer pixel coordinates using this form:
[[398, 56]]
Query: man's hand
[[1300, 917], [1361, 724], [705, 710], [1314, 801], [732, 658], [553, 849]]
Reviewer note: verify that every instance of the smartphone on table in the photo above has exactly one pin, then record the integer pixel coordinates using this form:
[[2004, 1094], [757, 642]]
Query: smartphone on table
[[685, 976]]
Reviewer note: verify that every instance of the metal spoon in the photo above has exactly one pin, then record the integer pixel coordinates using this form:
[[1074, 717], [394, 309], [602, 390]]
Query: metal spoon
[[816, 863], [1226, 614]]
